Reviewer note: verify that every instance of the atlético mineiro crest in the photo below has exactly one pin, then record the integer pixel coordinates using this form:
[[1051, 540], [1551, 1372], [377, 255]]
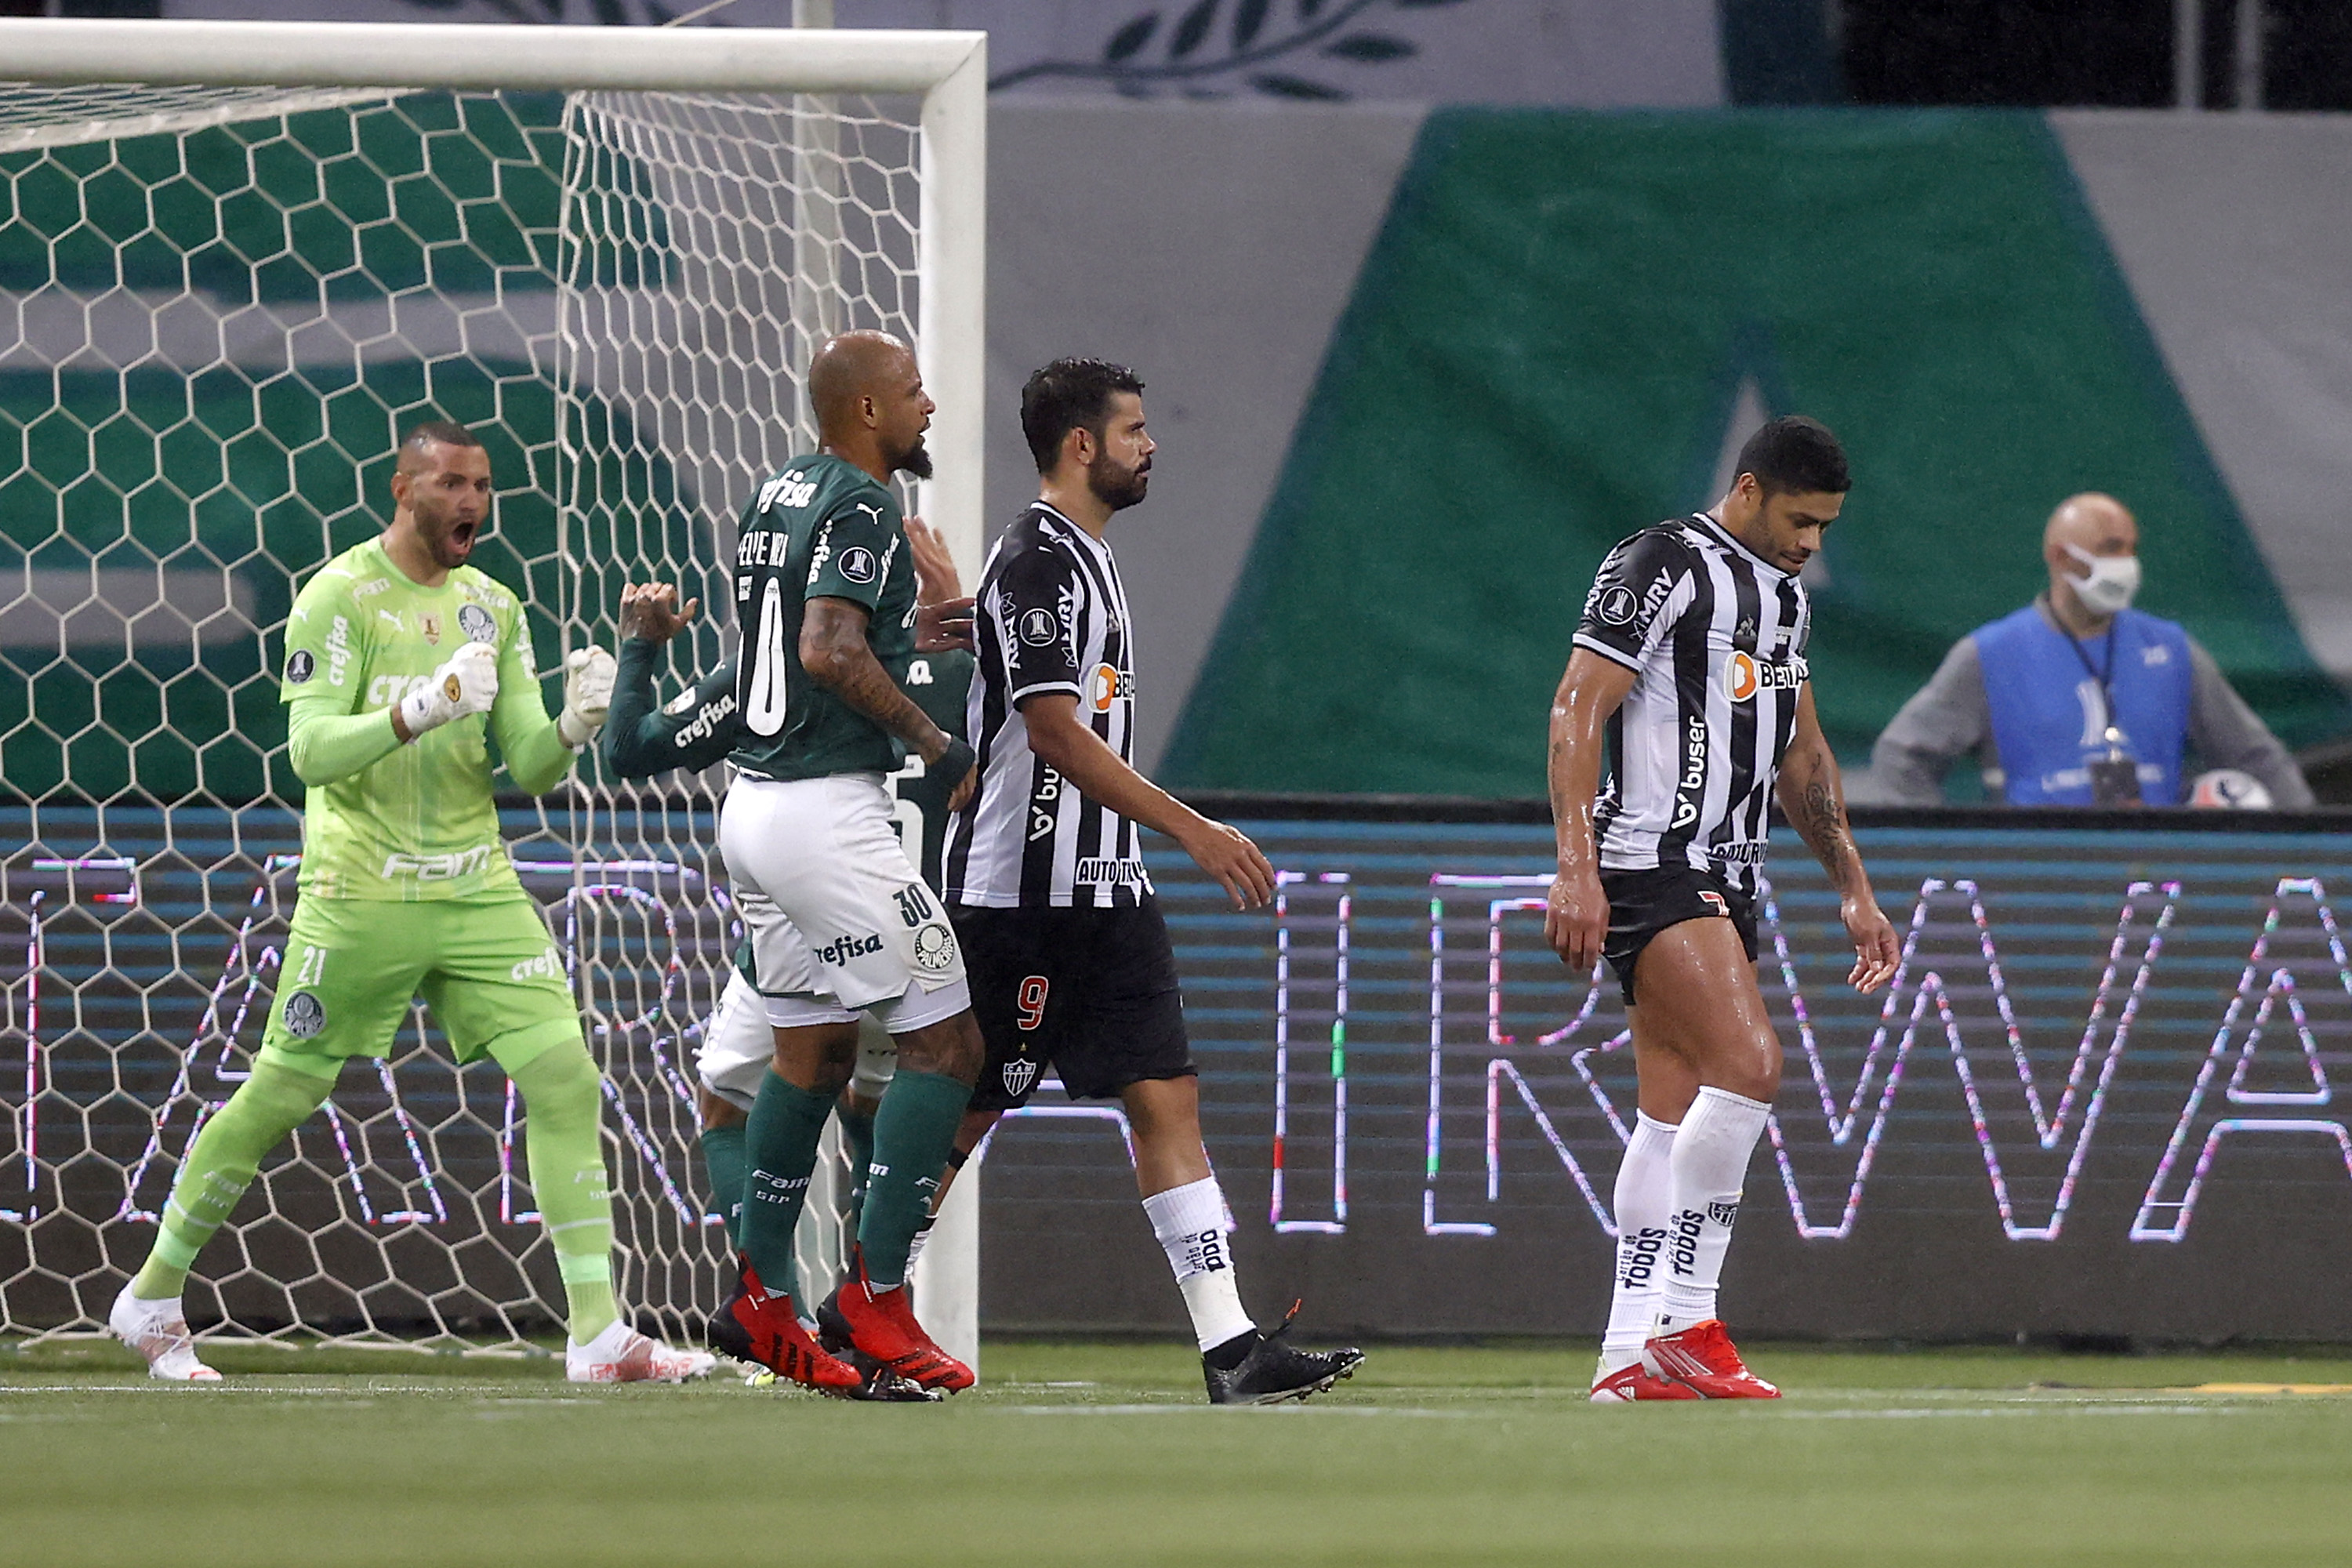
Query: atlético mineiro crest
[[1019, 1074]]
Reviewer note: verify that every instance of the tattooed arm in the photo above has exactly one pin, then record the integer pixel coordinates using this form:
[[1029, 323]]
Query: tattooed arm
[[835, 652], [1814, 802], [1576, 914]]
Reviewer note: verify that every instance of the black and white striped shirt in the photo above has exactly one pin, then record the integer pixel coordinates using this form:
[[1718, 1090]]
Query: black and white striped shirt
[[1052, 617], [1716, 638]]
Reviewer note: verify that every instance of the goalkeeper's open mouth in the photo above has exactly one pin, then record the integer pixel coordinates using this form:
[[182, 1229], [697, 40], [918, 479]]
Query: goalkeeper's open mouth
[[462, 535]]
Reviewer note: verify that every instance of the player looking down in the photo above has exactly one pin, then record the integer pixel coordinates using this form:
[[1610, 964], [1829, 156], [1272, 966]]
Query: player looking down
[[1071, 965], [697, 729], [837, 920], [1690, 658], [402, 660]]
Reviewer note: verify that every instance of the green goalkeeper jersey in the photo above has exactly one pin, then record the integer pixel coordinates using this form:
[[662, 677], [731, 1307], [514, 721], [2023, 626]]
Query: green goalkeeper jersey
[[414, 823]]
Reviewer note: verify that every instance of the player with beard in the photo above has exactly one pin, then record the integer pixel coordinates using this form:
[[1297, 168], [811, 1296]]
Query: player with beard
[[1690, 663], [402, 661], [838, 919], [1069, 959]]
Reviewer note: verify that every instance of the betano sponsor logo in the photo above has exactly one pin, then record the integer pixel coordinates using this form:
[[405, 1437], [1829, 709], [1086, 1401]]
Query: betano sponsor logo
[[1744, 675]]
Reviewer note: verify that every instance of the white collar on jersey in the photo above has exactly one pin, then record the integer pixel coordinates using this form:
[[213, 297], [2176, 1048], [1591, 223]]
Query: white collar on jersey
[[1716, 526], [1100, 546]]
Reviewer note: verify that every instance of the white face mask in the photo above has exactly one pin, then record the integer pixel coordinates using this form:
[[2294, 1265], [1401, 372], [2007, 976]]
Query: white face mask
[[2109, 582]]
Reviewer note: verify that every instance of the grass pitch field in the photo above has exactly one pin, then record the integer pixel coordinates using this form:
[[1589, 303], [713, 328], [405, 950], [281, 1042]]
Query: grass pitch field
[[1101, 1453]]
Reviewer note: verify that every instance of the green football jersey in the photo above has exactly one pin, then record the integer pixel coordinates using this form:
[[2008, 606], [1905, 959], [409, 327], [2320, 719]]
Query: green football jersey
[[417, 825], [821, 529]]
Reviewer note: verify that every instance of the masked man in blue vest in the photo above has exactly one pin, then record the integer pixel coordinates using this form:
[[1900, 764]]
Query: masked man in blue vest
[[2078, 699]]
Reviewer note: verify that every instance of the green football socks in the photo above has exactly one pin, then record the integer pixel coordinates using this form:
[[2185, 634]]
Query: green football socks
[[221, 1163], [723, 1161], [914, 1133], [561, 1095], [858, 1133], [780, 1143]]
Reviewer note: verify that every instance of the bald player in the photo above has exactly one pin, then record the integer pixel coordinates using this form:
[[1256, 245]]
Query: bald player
[[2078, 699], [837, 919]]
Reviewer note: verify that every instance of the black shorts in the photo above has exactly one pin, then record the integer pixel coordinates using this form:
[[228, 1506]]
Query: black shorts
[[1643, 904], [1091, 993]]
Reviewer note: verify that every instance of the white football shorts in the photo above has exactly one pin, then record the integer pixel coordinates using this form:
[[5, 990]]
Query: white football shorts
[[738, 1044], [840, 922]]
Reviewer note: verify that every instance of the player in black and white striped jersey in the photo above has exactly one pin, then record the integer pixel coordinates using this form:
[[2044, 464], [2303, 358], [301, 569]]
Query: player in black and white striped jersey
[[1053, 619], [1690, 663], [1068, 957]]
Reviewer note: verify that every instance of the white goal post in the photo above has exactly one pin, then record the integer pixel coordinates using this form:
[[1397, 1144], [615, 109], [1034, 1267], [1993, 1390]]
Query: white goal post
[[235, 260]]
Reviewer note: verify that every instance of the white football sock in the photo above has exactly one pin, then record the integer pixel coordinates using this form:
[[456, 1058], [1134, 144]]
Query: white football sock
[[1709, 1164], [1190, 1222], [1643, 1181]]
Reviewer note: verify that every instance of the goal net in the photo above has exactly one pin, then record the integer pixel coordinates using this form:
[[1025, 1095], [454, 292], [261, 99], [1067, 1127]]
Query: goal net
[[612, 255]]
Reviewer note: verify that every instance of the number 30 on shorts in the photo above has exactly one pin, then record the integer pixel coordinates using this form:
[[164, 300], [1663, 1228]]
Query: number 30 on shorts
[[1031, 1000]]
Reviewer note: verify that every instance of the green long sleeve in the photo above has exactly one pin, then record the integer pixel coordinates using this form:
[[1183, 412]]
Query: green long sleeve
[[641, 739], [326, 744], [536, 757]]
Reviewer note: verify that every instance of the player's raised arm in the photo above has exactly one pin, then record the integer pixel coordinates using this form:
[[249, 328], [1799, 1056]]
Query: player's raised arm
[[1576, 914], [642, 739], [1814, 799]]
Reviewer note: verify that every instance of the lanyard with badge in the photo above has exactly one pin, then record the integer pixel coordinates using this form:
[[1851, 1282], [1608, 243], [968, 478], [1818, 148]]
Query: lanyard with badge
[[2115, 778]]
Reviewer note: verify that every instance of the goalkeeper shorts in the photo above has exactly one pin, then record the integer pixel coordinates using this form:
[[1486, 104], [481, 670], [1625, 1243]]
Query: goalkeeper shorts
[[486, 969], [837, 920]]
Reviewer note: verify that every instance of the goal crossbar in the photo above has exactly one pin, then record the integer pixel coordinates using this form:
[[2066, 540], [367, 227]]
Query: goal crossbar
[[948, 69]]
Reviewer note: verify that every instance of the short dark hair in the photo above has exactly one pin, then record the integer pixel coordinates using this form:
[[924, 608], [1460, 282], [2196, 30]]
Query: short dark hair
[[1796, 455], [433, 432], [1070, 395]]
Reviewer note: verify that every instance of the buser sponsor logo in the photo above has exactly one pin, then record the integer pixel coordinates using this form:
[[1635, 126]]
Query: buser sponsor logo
[[841, 948]]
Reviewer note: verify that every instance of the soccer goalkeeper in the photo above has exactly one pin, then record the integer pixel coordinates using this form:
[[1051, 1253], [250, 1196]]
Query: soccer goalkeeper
[[400, 659]]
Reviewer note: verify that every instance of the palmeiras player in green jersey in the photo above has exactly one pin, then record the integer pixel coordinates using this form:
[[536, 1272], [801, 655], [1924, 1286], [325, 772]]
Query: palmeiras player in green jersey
[[697, 729], [839, 922], [402, 661]]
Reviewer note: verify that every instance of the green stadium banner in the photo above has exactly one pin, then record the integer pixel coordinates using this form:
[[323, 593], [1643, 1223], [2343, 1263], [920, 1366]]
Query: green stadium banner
[[1543, 354]]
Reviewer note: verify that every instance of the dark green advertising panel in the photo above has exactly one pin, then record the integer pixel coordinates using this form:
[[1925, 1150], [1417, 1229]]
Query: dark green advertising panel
[[1545, 352]]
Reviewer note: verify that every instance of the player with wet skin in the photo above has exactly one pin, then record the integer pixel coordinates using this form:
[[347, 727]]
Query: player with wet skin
[[837, 920], [1070, 959], [1689, 665]]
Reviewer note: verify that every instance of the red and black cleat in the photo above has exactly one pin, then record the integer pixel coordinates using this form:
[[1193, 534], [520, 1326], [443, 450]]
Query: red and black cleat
[[762, 1327], [862, 1324]]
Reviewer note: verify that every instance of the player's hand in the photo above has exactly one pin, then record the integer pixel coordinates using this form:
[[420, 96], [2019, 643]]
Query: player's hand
[[587, 694], [650, 611], [1576, 917], [467, 684], [944, 627], [961, 796], [1876, 950], [959, 762], [1239, 866], [936, 578]]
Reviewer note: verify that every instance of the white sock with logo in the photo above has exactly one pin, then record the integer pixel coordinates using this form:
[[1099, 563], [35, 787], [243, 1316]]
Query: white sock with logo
[[1191, 1223], [1644, 1184], [1709, 1164]]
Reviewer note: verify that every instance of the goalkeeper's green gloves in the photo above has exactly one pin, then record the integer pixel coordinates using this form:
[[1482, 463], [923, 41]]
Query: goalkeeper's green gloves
[[587, 695], [468, 683]]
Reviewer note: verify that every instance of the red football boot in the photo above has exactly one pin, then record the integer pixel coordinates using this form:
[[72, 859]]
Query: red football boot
[[881, 1326], [1633, 1382], [1703, 1359], [762, 1327]]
